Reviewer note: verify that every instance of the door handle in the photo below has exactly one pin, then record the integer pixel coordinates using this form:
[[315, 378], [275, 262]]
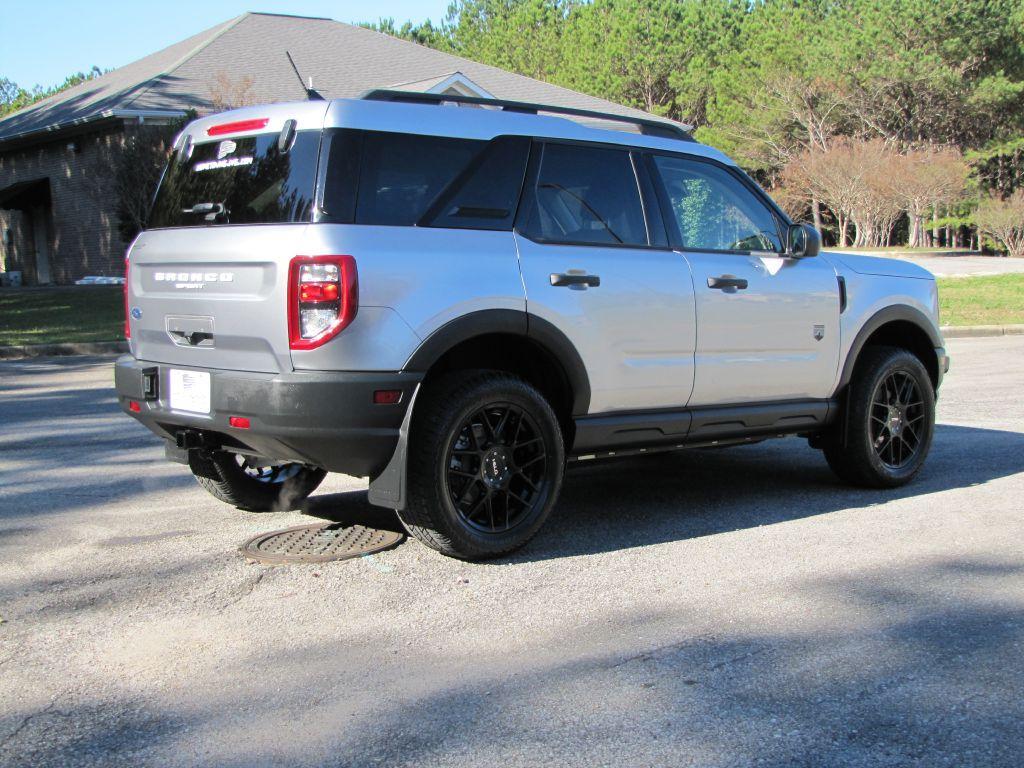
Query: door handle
[[725, 283], [559, 279], [194, 338]]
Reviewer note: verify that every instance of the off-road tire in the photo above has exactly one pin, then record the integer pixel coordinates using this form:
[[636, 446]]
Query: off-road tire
[[443, 410], [220, 474], [850, 448]]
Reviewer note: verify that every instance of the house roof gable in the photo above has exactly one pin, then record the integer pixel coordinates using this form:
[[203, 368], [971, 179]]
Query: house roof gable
[[252, 52]]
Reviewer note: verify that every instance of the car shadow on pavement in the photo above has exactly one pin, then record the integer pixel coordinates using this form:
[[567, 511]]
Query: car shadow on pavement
[[634, 502]]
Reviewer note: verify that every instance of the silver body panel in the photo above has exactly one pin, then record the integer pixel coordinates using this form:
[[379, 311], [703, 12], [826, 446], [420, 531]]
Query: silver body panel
[[635, 332], [651, 336], [778, 339]]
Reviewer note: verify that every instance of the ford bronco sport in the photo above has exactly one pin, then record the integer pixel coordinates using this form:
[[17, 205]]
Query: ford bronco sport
[[454, 302]]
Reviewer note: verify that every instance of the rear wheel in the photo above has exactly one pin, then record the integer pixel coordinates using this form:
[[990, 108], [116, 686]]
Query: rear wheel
[[889, 421], [485, 465], [241, 483]]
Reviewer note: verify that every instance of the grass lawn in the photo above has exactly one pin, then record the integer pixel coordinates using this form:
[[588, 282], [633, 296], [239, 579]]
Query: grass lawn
[[62, 314], [987, 300]]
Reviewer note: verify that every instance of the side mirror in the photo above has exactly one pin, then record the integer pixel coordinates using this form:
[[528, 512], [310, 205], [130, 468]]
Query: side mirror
[[804, 241]]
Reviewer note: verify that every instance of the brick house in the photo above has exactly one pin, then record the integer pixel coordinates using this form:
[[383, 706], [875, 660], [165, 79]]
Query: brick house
[[58, 215]]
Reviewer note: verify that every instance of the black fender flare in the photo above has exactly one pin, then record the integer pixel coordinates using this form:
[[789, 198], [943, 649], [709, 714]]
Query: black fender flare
[[512, 322], [894, 313]]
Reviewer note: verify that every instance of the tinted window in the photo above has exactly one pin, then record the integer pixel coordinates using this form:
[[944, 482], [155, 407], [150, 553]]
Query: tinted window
[[239, 181], [389, 178], [487, 193], [713, 210], [586, 195]]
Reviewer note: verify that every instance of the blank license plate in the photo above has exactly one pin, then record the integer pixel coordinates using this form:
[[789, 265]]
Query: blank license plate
[[190, 390]]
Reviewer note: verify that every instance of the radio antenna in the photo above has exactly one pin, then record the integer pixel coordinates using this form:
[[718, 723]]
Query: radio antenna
[[311, 95]]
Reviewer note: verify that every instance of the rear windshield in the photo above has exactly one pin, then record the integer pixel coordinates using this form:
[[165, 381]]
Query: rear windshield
[[239, 181]]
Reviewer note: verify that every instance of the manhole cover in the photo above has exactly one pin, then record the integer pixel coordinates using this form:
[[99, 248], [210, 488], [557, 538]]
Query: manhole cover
[[318, 543]]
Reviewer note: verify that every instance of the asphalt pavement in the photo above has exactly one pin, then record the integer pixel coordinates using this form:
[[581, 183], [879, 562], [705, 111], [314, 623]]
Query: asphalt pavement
[[710, 608]]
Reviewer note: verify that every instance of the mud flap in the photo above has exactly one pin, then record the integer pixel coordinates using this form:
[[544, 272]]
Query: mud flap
[[388, 489]]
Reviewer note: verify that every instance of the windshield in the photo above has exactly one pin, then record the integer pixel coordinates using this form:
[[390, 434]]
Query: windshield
[[245, 180]]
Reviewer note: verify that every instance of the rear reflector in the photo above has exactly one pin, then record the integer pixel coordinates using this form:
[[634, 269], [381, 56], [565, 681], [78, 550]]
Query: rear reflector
[[238, 422], [134, 407], [127, 324], [323, 297], [237, 126], [387, 396]]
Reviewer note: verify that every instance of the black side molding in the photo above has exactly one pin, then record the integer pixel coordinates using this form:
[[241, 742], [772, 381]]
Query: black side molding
[[702, 425]]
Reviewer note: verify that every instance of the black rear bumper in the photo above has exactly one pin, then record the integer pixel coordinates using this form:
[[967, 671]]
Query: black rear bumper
[[325, 419]]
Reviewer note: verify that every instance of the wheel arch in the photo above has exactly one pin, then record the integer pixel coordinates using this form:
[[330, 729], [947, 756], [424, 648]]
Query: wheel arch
[[898, 326], [516, 342]]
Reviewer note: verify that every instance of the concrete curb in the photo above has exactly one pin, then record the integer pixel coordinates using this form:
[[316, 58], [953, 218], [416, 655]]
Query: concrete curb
[[50, 350], [977, 331]]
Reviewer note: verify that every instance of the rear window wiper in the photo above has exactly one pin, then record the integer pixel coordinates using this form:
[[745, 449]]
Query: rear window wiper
[[212, 212], [198, 208]]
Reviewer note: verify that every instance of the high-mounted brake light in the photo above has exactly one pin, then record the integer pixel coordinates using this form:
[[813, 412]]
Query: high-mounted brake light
[[127, 323], [323, 298], [238, 126]]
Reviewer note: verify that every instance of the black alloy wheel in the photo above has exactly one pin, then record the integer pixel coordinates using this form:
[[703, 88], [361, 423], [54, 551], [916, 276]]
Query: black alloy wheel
[[496, 468], [485, 464], [897, 410]]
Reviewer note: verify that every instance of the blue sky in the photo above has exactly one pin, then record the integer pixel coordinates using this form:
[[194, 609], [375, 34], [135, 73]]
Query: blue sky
[[46, 40]]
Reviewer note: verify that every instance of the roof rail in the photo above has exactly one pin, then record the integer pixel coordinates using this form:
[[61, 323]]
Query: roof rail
[[648, 127]]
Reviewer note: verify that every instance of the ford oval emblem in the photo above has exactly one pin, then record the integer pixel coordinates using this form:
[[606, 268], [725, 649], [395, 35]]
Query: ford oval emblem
[[136, 313]]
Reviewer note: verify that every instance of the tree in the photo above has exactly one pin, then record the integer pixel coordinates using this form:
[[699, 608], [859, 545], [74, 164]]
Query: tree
[[927, 178], [523, 36], [231, 93], [13, 97], [128, 168], [655, 55], [423, 34], [1002, 219]]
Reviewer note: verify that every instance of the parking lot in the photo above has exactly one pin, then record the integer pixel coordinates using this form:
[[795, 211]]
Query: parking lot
[[711, 608]]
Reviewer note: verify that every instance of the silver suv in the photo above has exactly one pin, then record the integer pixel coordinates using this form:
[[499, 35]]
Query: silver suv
[[456, 302]]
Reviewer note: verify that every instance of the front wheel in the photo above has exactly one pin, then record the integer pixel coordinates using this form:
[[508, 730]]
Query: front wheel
[[235, 480], [889, 421], [485, 465]]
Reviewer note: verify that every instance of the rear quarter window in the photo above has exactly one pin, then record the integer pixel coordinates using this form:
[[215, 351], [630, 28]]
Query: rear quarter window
[[246, 180], [389, 179]]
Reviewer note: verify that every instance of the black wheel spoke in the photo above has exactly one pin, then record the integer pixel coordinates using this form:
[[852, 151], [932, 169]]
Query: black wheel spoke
[[532, 461], [467, 493], [499, 431], [527, 480]]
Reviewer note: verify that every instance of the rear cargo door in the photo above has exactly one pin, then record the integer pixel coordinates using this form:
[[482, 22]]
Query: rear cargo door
[[207, 283], [212, 298]]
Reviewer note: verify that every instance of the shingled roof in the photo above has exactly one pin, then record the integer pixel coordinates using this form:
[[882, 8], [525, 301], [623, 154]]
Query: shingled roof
[[343, 61]]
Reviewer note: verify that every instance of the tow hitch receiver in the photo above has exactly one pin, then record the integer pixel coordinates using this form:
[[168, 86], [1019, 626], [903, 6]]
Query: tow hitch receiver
[[191, 439]]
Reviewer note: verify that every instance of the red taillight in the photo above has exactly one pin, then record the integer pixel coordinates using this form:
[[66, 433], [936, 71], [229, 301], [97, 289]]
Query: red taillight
[[238, 125], [127, 324], [134, 407], [238, 422], [317, 292], [323, 297]]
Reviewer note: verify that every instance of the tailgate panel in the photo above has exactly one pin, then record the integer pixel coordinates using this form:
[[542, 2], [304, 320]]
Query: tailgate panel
[[229, 283]]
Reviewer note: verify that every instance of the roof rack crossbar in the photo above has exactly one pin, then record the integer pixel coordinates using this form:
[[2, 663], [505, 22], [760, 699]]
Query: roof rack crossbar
[[647, 126]]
